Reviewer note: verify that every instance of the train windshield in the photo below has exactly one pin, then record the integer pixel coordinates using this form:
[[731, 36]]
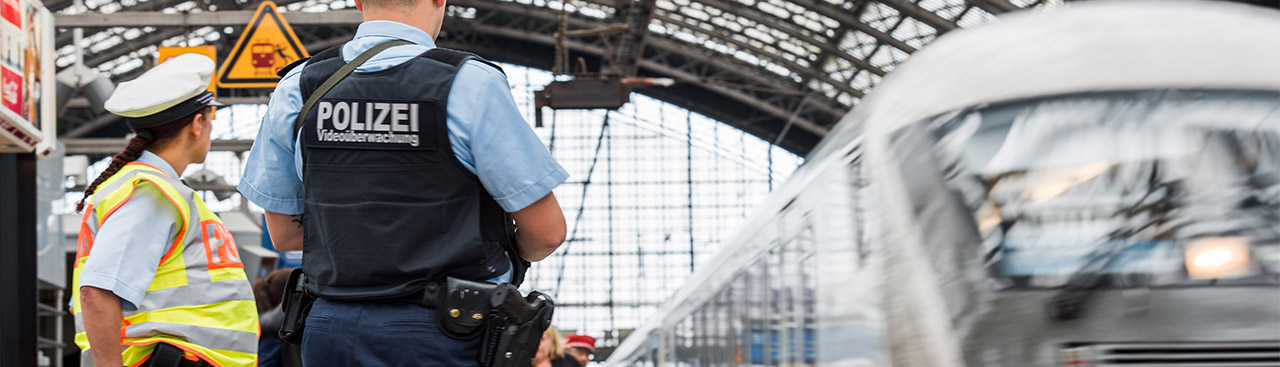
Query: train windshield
[[1143, 189]]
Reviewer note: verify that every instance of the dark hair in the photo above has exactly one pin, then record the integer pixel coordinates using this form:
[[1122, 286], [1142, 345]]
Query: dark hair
[[268, 291], [143, 139]]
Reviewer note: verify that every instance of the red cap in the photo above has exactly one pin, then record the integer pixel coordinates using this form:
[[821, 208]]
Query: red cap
[[582, 341]]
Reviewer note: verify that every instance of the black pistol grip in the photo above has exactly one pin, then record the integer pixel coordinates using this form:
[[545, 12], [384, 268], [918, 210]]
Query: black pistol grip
[[515, 307]]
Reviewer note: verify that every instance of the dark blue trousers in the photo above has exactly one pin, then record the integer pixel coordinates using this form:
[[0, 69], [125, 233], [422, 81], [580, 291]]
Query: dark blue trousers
[[380, 335]]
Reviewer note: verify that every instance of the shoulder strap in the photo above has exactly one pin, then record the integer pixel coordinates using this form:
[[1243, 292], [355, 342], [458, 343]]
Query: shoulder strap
[[337, 77], [328, 53], [285, 70], [457, 58]]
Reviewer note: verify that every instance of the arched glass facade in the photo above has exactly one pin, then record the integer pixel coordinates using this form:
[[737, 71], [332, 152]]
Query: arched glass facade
[[653, 191]]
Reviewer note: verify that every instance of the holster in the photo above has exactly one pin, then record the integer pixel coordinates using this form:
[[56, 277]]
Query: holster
[[512, 325], [296, 306], [515, 330]]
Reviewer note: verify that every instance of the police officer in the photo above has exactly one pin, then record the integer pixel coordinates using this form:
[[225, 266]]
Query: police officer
[[157, 277], [410, 166]]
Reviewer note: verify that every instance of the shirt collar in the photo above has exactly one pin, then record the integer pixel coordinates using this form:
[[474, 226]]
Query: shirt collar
[[154, 160], [390, 29]]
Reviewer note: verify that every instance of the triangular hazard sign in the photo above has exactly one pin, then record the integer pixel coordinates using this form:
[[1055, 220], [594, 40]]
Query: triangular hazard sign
[[266, 45]]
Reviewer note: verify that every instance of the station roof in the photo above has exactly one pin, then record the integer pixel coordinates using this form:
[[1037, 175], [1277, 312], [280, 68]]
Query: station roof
[[783, 70]]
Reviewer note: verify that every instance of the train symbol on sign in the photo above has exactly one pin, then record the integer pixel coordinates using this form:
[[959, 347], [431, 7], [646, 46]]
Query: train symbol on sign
[[264, 57], [267, 45]]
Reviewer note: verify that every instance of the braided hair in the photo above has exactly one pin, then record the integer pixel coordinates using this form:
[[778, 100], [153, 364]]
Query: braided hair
[[143, 139]]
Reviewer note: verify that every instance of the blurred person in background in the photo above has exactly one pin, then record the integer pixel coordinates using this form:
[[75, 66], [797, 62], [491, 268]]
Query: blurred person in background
[[581, 348], [269, 293], [551, 351]]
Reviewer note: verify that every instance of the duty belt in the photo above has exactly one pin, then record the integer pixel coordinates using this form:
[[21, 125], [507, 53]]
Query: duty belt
[[511, 324]]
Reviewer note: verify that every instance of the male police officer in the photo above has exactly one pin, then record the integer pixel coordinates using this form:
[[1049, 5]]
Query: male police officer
[[404, 164]]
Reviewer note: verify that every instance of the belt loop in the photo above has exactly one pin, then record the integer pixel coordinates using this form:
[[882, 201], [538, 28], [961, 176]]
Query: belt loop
[[431, 295]]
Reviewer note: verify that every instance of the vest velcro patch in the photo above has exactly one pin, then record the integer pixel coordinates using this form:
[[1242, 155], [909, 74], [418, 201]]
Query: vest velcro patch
[[381, 124]]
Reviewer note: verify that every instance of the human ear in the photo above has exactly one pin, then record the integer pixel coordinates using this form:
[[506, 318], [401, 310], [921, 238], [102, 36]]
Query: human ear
[[197, 125]]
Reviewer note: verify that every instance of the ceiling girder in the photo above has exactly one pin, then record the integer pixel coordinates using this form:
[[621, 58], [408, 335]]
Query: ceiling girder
[[768, 100], [805, 71], [848, 19], [826, 46], [924, 16], [995, 7], [679, 75], [636, 14], [201, 19], [710, 59]]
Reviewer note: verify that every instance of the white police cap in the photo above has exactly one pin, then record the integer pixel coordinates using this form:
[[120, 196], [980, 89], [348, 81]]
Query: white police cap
[[167, 92]]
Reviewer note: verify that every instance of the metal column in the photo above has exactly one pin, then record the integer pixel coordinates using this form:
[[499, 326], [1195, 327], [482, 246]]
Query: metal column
[[18, 260]]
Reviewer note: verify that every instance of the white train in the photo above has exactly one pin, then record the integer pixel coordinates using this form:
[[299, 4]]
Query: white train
[[1093, 186]]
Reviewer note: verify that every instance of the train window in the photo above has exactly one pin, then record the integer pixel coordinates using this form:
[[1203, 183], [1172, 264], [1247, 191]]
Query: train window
[[1139, 188]]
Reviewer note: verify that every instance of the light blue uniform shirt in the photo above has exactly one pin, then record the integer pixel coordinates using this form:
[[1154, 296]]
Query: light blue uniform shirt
[[129, 244], [486, 131]]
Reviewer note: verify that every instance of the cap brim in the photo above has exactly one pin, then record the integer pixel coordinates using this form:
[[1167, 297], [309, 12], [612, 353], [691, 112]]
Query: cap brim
[[215, 103], [581, 345]]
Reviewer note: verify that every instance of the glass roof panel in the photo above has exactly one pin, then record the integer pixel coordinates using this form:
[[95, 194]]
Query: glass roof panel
[[975, 16]]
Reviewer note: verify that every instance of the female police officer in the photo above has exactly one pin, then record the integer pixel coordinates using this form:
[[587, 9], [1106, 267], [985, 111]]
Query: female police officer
[[158, 280]]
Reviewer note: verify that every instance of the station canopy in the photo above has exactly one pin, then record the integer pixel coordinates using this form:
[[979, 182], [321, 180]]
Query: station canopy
[[782, 70]]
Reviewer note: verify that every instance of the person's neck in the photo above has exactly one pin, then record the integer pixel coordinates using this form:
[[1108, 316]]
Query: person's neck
[[176, 158], [406, 16]]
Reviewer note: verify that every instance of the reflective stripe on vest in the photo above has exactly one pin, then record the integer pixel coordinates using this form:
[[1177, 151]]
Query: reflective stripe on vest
[[200, 300]]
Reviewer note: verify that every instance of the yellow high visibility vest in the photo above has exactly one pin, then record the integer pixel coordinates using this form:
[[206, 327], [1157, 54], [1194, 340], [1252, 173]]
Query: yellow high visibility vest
[[200, 300]]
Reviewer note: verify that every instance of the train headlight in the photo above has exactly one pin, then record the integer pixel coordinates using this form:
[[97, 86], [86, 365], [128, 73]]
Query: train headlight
[[1218, 257], [1075, 357]]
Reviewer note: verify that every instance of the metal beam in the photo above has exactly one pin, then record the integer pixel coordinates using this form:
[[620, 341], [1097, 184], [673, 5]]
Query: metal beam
[[995, 7], [847, 19], [114, 145], [754, 74], [790, 65], [126, 47], [18, 259], [202, 19], [513, 22], [638, 16], [828, 46], [81, 102], [91, 126], [681, 76], [924, 16], [658, 44]]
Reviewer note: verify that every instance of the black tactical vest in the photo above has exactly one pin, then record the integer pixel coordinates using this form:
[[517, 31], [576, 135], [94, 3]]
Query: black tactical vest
[[388, 207]]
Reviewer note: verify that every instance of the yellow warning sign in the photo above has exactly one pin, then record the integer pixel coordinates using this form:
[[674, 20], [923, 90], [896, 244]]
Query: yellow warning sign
[[266, 45], [166, 53]]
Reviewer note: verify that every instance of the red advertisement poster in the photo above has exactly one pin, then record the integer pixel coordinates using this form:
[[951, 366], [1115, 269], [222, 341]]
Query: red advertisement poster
[[9, 8], [11, 90]]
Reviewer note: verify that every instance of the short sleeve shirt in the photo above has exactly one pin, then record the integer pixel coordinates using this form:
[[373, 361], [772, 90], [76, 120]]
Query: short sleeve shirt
[[486, 131], [130, 243]]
